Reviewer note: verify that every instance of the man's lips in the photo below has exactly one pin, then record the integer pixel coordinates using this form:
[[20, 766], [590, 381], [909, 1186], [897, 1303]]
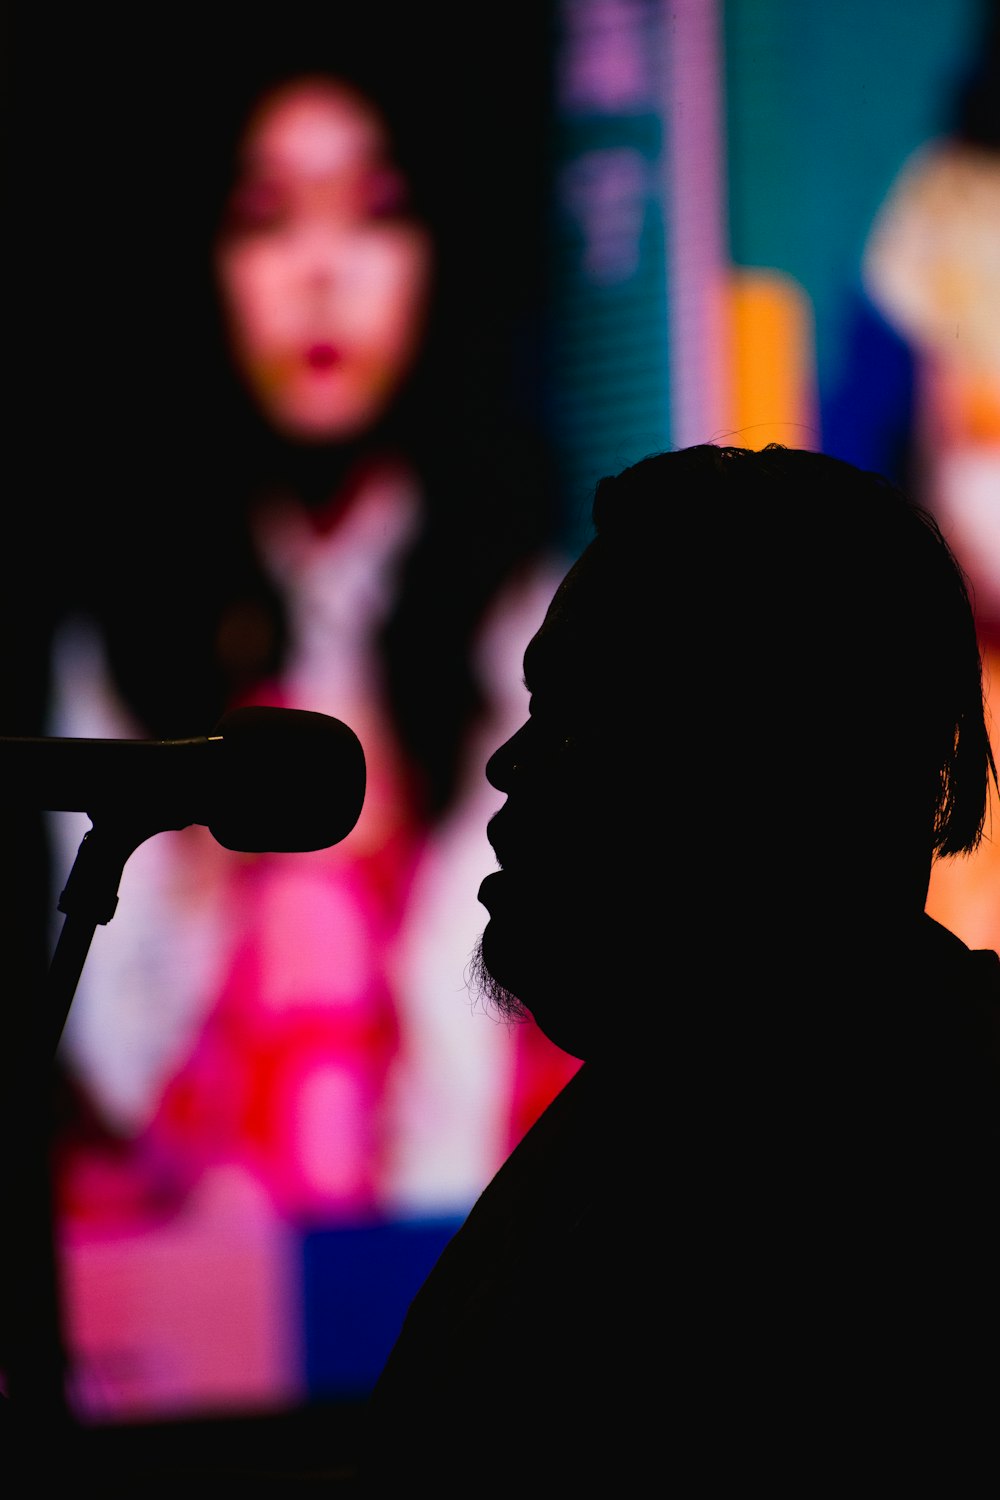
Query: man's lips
[[489, 889], [498, 836]]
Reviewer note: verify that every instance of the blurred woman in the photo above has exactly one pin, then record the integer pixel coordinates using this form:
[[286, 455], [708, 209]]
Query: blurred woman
[[362, 524]]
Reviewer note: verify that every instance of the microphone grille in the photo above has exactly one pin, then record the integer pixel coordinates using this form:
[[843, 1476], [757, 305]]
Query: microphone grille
[[285, 780]]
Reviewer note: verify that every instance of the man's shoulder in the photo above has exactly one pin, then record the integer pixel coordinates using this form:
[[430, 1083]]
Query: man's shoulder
[[942, 940], [965, 979]]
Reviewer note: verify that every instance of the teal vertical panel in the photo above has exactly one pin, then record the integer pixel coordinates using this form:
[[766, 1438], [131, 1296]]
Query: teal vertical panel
[[609, 338]]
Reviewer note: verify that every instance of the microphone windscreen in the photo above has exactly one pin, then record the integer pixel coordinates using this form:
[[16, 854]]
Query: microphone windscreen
[[286, 780]]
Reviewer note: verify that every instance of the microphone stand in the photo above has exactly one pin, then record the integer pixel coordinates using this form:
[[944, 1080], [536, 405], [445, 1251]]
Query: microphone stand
[[38, 1371], [89, 900]]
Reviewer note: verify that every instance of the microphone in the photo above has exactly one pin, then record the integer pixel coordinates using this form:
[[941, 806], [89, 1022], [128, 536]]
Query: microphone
[[267, 780]]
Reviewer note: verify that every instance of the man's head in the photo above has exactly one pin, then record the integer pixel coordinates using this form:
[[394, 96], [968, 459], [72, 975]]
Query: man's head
[[756, 695]]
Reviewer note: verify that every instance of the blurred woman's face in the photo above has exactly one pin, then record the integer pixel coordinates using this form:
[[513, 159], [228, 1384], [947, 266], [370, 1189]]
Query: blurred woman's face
[[323, 273]]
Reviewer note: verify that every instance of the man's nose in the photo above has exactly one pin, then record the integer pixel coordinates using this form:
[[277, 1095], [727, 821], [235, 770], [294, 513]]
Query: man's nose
[[502, 764]]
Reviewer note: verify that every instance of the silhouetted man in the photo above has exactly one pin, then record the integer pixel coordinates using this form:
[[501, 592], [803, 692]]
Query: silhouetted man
[[755, 1237]]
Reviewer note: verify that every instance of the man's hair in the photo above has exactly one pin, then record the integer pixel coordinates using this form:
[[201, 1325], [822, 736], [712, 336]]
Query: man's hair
[[838, 599]]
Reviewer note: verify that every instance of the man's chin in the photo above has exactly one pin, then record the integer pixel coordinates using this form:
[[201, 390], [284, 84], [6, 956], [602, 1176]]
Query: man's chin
[[561, 1024], [484, 966]]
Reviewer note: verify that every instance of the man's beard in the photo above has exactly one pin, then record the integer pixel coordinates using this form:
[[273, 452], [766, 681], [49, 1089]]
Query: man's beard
[[482, 986]]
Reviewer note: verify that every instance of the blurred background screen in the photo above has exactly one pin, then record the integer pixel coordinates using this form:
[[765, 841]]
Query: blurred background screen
[[322, 331]]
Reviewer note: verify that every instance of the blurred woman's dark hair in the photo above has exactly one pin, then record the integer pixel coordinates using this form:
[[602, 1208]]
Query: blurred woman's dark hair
[[161, 551]]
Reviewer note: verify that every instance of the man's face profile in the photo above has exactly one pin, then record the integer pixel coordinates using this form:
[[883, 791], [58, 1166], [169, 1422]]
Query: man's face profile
[[552, 934]]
